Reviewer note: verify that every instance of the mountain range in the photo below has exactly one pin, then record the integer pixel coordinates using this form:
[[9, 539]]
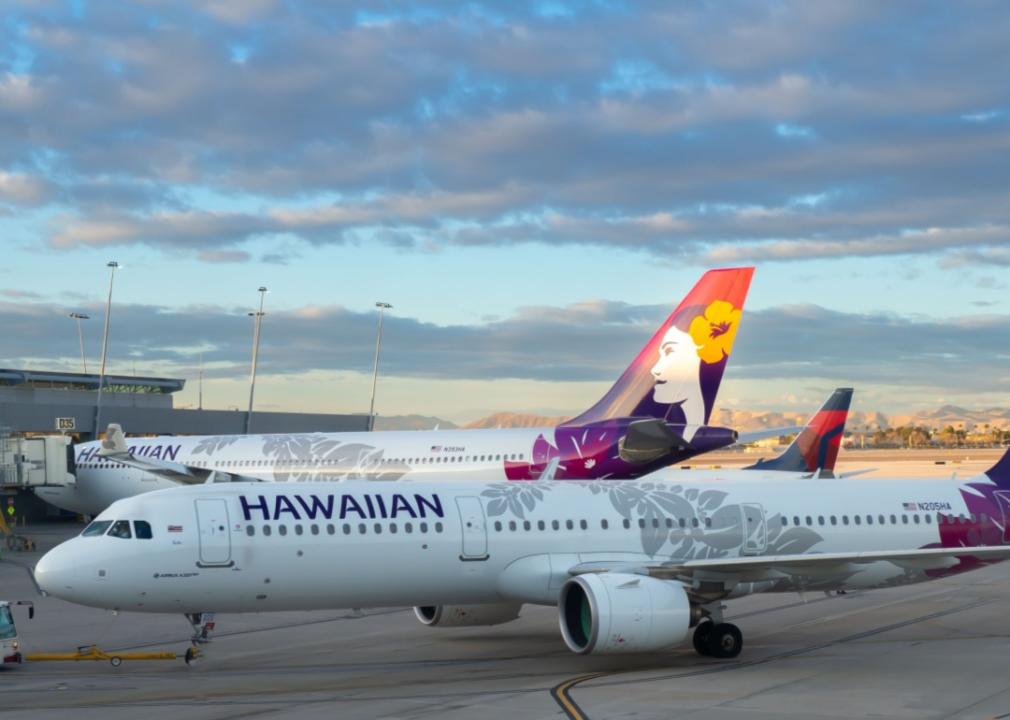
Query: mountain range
[[743, 420]]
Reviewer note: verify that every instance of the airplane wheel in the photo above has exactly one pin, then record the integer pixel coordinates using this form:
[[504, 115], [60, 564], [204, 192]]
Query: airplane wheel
[[192, 655], [701, 637], [724, 641], [116, 661]]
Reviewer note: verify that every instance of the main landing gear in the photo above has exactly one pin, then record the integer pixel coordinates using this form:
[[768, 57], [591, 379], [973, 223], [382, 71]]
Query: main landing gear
[[718, 639]]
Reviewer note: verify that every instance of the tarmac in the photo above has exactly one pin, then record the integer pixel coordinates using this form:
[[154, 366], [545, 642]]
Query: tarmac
[[937, 650]]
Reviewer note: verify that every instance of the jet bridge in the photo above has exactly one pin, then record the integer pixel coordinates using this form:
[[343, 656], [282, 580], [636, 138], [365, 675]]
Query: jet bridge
[[30, 461]]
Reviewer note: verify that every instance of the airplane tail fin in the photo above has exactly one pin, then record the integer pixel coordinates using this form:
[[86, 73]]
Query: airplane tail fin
[[676, 376], [816, 447], [1000, 472]]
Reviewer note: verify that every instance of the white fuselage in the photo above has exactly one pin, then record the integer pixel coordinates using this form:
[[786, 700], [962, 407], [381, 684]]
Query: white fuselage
[[307, 457], [247, 547]]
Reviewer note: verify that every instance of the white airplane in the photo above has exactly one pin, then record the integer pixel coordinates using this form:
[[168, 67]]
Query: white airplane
[[632, 566], [654, 415]]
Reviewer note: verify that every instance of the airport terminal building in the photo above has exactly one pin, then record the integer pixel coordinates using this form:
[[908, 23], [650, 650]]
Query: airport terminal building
[[36, 404]]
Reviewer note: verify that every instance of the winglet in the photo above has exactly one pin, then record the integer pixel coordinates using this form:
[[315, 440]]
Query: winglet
[[114, 442]]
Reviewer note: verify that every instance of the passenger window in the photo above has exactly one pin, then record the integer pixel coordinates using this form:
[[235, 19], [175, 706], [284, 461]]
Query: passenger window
[[362, 529], [845, 519], [603, 524], [527, 525], [904, 519], [880, 519], [894, 520], [282, 529], [512, 525], [796, 519], [834, 520], [408, 528], [708, 522], [810, 521], [682, 522], [785, 521], [569, 524], [392, 528], [314, 529], [497, 526], [142, 530], [641, 523], [378, 528], [250, 530], [541, 525], [915, 518], [424, 527], [694, 522], [438, 527], [928, 519], [869, 519], [820, 519], [669, 522], [627, 524], [857, 519], [267, 530], [96, 528], [120, 529], [555, 525], [298, 529]]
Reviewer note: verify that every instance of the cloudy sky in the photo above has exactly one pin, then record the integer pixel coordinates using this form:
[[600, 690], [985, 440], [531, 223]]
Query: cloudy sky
[[532, 185]]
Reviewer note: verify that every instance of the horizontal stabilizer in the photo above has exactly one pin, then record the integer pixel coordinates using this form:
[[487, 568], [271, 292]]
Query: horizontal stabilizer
[[749, 437]]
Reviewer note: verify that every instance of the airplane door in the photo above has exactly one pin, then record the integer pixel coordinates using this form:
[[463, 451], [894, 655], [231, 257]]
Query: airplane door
[[474, 528], [755, 530], [215, 537]]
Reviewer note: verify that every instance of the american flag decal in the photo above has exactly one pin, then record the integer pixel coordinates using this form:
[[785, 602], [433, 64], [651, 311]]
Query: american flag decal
[[175, 528], [436, 448], [910, 506]]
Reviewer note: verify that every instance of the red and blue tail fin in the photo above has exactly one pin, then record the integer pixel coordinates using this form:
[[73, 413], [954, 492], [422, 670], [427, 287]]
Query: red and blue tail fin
[[816, 447], [676, 376]]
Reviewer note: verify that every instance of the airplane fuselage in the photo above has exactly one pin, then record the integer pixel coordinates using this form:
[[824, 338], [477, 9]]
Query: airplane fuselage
[[247, 547]]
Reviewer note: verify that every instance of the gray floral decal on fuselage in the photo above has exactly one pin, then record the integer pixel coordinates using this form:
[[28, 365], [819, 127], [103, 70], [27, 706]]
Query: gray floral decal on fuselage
[[682, 523], [313, 457]]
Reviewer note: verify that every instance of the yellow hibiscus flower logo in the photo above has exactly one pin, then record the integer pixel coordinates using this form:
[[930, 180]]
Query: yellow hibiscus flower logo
[[714, 331]]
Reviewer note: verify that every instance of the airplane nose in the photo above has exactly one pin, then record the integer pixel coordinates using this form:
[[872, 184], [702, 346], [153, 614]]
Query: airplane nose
[[56, 572]]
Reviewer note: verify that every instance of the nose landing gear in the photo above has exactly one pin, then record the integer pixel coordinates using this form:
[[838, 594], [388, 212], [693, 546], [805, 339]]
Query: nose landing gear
[[203, 625]]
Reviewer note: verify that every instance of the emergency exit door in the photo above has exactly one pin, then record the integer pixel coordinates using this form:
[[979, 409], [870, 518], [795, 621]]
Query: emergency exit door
[[755, 529], [215, 536]]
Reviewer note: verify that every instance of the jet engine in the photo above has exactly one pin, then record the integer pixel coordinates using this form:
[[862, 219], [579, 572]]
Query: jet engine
[[466, 615], [610, 613]]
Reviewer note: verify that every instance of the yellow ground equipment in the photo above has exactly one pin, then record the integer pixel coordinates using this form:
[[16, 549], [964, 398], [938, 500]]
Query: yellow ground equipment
[[13, 540], [93, 652]]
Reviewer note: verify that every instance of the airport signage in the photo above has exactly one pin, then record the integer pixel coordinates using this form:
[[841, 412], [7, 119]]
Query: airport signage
[[65, 424]]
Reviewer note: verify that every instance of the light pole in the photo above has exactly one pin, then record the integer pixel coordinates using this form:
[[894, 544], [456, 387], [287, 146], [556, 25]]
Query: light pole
[[80, 335], [375, 367], [255, 357], [113, 266]]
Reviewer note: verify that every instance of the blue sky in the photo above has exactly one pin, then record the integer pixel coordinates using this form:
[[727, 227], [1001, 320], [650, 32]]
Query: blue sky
[[532, 185]]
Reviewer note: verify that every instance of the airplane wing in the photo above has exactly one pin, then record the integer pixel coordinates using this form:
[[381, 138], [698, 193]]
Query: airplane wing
[[749, 437], [114, 448], [772, 567]]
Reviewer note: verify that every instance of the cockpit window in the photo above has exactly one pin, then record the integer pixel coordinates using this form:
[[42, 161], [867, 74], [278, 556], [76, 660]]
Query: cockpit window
[[121, 529], [96, 528], [142, 530]]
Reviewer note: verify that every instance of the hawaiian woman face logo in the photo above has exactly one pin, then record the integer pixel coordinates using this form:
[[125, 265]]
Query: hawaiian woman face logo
[[708, 339], [676, 370]]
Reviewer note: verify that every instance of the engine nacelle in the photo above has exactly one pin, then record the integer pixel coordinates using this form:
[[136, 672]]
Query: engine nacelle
[[467, 615], [622, 613]]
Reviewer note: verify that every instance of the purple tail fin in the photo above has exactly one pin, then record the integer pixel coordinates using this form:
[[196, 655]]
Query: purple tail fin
[[676, 375], [1000, 472]]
